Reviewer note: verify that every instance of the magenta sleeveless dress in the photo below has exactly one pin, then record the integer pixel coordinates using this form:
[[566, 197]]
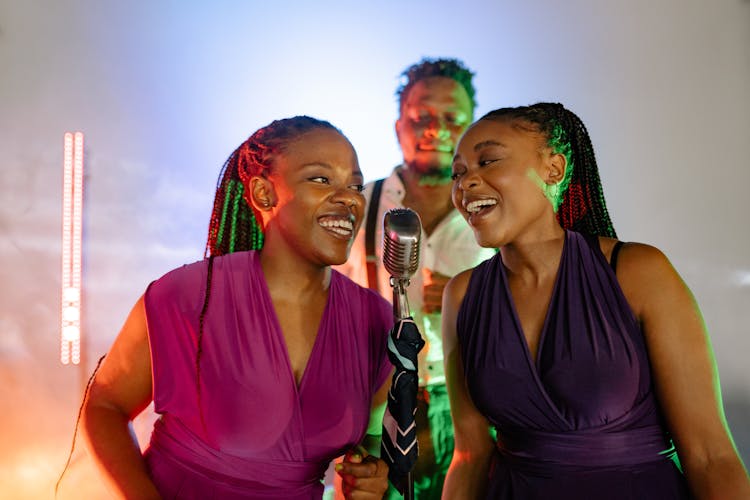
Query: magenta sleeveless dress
[[261, 436], [581, 421]]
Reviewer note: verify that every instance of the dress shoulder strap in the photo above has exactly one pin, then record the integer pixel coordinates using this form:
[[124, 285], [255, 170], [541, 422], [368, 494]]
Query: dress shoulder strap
[[372, 215], [615, 252]]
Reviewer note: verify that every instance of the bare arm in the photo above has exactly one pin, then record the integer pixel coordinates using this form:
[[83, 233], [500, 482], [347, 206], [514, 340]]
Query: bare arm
[[361, 474], [119, 392], [467, 475], [685, 373], [371, 441]]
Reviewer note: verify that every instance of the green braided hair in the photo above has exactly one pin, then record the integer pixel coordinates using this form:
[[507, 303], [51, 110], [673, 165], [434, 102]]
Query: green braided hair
[[426, 68], [234, 225], [579, 202]]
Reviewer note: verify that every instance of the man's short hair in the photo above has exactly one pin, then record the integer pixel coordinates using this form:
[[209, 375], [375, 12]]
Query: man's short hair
[[427, 67]]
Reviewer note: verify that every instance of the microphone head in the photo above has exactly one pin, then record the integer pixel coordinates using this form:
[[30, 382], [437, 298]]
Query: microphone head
[[402, 230]]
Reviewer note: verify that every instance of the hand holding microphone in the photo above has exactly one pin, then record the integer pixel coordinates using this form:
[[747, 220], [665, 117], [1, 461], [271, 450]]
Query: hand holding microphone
[[433, 284]]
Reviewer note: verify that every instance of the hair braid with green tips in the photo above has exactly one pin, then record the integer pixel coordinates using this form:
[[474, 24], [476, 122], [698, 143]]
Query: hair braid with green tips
[[580, 203]]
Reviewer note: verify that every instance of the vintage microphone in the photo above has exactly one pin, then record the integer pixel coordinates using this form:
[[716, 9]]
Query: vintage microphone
[[402, 230]]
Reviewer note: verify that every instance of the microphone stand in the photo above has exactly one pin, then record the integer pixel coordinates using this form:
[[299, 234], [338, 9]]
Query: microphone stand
[[400, 300], [401, 311]]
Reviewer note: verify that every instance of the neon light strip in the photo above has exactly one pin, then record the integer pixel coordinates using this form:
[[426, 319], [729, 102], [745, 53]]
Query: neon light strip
[[66, 234], [77, 236], [70, 328]]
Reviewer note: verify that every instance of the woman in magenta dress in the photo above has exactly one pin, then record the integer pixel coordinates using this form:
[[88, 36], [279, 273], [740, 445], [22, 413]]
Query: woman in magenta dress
[[588, 356], [262, 364]]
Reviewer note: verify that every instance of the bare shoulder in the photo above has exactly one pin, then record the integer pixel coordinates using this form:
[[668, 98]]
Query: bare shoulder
[[453, 295], [456, 287], [632, 251], [644, 272], [641, 260]]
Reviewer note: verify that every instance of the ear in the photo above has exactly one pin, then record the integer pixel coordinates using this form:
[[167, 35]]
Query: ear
[[556, 166], [260, 194], [397, 128]]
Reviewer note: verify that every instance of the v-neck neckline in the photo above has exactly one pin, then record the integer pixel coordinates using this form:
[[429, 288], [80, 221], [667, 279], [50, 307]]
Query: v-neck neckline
[[533, 362], [278, 332]]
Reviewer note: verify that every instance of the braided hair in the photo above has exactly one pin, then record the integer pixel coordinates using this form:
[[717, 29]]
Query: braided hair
[[579, 203], [234, 225], [427, 68]]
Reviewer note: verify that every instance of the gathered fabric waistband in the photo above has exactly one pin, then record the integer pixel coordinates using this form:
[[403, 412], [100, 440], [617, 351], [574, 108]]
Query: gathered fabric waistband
[[183, 447], [537, 450]]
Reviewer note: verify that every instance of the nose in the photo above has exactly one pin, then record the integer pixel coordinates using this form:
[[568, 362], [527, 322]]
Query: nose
[[438, 129], [469, 180], [346, 196]]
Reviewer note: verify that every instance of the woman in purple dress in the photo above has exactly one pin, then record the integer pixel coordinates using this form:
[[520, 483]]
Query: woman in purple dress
[[262, 362], [588, 356]]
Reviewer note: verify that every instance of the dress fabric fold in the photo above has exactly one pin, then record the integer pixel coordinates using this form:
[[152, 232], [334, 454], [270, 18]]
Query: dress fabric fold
[[582, 419], [261, 435]]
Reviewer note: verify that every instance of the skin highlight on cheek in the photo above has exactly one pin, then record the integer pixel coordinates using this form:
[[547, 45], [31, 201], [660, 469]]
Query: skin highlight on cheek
[[537, 179]]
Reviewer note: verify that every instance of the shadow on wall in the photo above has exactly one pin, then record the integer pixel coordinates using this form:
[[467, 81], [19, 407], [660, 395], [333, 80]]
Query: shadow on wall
[[737, 409]]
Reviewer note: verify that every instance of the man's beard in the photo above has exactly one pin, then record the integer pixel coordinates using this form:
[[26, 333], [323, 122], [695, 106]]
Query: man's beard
[[434, 176]]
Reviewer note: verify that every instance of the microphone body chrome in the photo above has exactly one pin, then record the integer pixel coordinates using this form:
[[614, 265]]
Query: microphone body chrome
[[402, 230]]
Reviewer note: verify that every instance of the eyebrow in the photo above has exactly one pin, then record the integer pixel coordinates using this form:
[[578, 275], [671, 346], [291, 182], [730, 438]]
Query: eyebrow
[[327, 167], [313, 164], [485, 144]]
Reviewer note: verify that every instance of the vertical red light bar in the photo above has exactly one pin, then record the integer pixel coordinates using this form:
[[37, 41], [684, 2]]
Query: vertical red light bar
[[72, 224]]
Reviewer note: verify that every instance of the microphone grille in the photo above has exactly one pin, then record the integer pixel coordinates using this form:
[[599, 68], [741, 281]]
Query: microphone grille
[[402, 230]]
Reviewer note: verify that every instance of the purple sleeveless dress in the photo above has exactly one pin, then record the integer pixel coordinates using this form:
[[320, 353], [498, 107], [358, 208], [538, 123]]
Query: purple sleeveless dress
[[262, 436], [581, 421]]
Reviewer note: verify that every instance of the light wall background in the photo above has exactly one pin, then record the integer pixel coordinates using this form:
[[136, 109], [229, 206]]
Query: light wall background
[[165, 90]]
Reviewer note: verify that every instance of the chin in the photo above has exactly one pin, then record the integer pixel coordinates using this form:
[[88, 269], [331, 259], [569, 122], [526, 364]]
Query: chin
[[335, 258], [486, 243], [336, 262], [486, 240]]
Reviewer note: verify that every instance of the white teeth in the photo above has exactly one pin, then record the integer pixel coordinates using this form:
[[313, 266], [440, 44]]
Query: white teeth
[[341, 226], [343, 232], [476, 206]]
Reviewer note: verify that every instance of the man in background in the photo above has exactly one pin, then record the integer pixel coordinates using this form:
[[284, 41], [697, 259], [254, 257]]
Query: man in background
[[436, 104]]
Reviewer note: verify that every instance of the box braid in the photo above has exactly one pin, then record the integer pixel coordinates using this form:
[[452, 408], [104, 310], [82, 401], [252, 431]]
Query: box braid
[[234, 226], [580, 204]]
